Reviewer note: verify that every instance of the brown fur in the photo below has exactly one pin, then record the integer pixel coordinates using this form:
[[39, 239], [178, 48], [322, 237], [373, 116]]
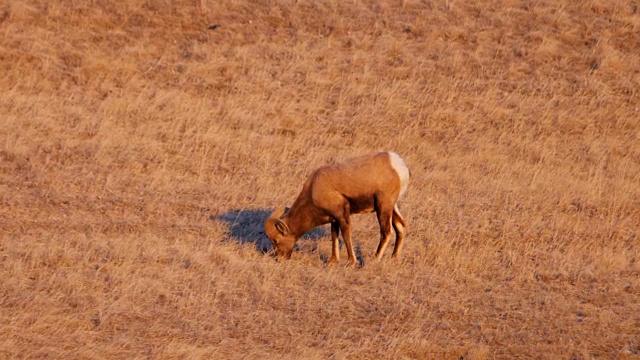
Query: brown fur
[[331, 194]]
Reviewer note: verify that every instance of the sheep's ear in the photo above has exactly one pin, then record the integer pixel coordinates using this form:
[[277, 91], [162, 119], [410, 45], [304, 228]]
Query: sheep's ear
[[282, 227]]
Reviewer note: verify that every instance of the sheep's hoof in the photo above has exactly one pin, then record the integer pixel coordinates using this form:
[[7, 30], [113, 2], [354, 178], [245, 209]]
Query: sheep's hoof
[[332, 261]]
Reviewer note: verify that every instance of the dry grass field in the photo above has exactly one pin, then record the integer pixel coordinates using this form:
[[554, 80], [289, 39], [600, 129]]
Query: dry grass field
[[141, 151]]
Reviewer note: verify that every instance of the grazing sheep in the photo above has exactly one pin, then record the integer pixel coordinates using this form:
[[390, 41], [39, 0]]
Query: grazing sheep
[[332, 193]]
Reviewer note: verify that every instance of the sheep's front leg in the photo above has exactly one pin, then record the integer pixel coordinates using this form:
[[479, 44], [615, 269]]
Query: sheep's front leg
[[340, 214], [335, 245], [345, 228]]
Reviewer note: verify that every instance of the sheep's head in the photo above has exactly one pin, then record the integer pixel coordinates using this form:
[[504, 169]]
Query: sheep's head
[[278, 232]]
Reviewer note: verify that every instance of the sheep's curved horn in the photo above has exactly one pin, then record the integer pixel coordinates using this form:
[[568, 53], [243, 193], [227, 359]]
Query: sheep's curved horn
[[273, 225], [277, 213]]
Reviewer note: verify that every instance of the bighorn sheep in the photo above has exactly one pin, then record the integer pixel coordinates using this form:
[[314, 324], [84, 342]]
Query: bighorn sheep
[[332, 193]]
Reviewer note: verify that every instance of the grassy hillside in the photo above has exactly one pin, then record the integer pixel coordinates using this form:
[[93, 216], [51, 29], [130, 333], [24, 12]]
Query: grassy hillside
[[141, 151]]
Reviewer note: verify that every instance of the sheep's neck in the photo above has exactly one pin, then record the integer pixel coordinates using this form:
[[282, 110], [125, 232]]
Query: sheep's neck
[[302, 219]]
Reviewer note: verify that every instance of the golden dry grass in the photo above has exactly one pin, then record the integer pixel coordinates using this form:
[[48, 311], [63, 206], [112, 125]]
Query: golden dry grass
[[140, 152]]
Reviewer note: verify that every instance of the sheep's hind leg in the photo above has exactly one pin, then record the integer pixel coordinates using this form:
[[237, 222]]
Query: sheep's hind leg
[[399, 225], [384, 218]]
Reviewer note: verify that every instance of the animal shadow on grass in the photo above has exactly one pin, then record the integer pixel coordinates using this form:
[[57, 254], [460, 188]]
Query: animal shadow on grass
[[247, 227]]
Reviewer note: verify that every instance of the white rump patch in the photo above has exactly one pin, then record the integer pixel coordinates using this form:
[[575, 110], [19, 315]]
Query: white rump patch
[[401, 168]]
